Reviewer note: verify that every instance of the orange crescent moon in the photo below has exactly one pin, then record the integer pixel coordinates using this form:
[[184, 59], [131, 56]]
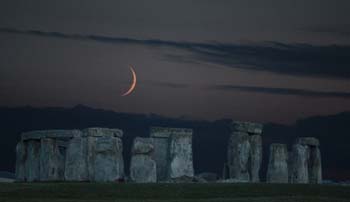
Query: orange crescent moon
[[133, 84]]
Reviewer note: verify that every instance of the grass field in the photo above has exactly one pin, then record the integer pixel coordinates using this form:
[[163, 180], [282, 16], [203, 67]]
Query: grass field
[[93, 192]]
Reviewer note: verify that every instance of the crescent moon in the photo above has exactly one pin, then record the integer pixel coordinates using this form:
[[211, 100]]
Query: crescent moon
[[133, 84]]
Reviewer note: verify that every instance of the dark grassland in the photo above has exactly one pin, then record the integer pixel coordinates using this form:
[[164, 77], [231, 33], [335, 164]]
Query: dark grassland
[[93, 192]]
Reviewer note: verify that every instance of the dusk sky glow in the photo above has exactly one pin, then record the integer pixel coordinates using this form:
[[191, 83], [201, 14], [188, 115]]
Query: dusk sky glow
[[264, 61]]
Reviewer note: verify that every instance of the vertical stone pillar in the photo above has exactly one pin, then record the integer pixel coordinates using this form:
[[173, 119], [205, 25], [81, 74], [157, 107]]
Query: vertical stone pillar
[[104, 158], [245, 151], [300, 173], [73, 155], [160, 154], [32, 163], [315, 165], [142, 167], [180, 153], [277, 171], [76, 168], [306, 163], [239, 148], [255, 157], [51, 160], [21, 154]]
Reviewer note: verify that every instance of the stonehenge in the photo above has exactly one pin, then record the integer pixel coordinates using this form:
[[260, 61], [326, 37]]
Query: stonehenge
[[306, 161], [160, 138], [277, 171], [96, 155], [142, 167], [301, 165], [173, 152], [244, 153], [93, 154]]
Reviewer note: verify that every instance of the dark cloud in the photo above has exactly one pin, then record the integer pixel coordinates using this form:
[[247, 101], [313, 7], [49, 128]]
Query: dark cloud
[[331, 61], [282, 91]]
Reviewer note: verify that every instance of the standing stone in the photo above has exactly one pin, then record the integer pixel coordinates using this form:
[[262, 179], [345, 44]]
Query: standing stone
[[104, 154], [306, 163], [20, 161], [32, 163], [91, 156], [160, 154], [51, 160], [76, 168], [53, 155], [244, 153], [143, 168], [315, 166], [107, 165], [299, 169], [180, 153], [277, 171], [255, 157], [314, 158], [120, 159], [239, 152], [172, 149]]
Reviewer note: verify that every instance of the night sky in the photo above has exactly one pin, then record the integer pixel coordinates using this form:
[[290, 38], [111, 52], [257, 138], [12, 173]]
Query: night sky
[[266, 61]]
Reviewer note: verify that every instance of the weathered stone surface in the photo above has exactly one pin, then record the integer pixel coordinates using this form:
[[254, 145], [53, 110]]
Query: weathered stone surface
[[52, 159], [56, 134], [299, 164], [104, 154], [91, 156], [180, 153], [162, 140], [277, 171], [107, 163], [309, 141], [161, 156], [248, 127], [315, 166], [103, 132], [54, 155], [238, 156], [142, 146], [76, 168], [20, 161], [164, 132], [32, 163], [255, 157], [143, 169]]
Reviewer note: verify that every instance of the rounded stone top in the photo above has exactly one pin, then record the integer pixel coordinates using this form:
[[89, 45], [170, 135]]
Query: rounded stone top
[[58, 134], [310, 141], [248, 127], [166, 132], [142, 145]]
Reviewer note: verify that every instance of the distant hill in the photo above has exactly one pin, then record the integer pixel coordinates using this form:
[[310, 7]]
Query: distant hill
[[210, 137]]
